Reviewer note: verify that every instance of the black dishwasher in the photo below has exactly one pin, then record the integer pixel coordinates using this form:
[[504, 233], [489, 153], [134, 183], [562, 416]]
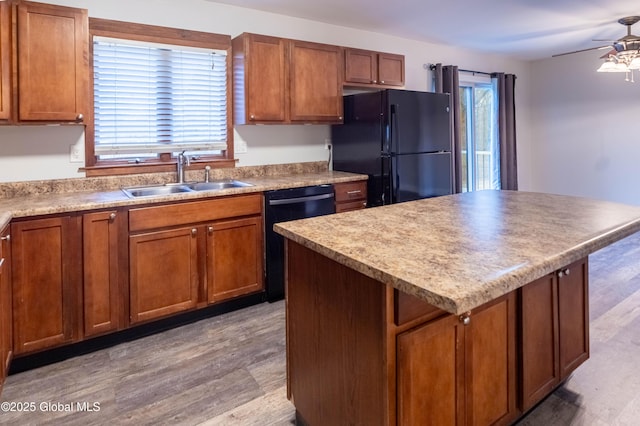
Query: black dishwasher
[[283, 205]]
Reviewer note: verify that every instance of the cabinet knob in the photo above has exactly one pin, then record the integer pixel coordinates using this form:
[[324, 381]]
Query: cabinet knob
[[252, 117], [465, 318], [563, 272], [340, 118], [79, 118], [7, 238], [381, 81], [210, 229], [567, 271], [364, 204], [374, 81], [194, 231], [112, 216]]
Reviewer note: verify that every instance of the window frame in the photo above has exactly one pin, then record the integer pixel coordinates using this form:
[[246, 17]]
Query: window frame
[[163, 35]]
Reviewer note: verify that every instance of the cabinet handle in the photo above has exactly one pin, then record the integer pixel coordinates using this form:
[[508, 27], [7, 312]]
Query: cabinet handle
[[112, 217], [79, 118], [563, 272], [7, 238], [194, 231], [210, 229], [465, 318]]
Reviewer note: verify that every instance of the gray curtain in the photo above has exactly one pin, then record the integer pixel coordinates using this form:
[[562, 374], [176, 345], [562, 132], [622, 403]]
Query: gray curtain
[[446, 81], [505, 89]]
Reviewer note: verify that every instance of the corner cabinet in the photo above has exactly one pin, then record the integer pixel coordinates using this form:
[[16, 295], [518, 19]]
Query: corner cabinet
[[189, 254], [286, 81], [555, 330], [368, 68], [51, 72], [5, 61], [46, 276], [6, 316]]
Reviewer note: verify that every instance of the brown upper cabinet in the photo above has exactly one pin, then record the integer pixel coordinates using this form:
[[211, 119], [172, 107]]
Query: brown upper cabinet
[[286, 81], [365, 67], [52, 53]]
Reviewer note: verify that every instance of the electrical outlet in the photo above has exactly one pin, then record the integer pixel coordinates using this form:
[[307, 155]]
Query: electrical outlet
[[75, 154], [327, 144]]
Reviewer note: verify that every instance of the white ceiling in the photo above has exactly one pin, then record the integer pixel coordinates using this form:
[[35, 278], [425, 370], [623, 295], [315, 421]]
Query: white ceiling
[[526, 29]]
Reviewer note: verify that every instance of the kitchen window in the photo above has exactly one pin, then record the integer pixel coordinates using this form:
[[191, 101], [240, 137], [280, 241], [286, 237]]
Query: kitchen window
[[157, 92], [478, 134]]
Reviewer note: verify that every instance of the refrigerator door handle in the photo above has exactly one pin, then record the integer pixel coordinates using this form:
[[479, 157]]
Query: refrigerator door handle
[[393, 127]]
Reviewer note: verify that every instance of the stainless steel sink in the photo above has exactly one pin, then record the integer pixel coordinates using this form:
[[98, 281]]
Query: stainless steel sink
[[176, 188], [217, 185], [155, 190]]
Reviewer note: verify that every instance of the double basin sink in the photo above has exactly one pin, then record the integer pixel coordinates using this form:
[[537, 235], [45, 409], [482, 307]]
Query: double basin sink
[[176, 188]]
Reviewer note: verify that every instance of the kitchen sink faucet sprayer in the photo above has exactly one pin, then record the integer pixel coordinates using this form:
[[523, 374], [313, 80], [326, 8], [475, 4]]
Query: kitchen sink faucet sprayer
[[183, 160]]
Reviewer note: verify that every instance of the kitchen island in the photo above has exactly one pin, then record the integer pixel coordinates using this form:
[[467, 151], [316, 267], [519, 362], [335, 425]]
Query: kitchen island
[[464, 309]]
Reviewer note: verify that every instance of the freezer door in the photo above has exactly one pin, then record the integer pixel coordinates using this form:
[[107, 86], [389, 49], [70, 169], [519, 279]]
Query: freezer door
[[418, 122], [417, 176]]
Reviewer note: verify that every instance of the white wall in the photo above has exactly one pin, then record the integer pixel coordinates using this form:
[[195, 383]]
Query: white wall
[[265, 144], [585, 138]]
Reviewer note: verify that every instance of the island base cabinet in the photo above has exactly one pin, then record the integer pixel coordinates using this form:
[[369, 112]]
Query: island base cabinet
[[554, 314], [348, 362], [460, 370], [46, 273], [163, 273]]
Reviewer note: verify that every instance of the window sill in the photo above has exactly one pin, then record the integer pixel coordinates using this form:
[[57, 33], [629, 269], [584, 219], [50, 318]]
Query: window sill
[[130, 169]]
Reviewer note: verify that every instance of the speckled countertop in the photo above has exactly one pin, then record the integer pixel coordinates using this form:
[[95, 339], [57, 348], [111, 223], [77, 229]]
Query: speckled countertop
[[458, 252], [48, 197]]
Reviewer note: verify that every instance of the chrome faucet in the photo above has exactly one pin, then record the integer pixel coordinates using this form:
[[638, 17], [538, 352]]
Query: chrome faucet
[[183, 160]]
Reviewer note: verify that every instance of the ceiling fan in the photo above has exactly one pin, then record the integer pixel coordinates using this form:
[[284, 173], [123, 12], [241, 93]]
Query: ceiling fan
[[628, 42], [624, 53]]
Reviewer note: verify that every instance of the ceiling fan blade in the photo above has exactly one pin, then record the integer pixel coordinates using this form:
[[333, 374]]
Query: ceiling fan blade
[[581, 50]]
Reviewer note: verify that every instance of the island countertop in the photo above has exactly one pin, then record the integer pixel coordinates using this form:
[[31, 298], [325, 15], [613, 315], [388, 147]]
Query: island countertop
[[460, 251]]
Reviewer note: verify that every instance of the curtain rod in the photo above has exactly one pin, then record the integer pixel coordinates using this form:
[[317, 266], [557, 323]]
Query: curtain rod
[[432, 67]]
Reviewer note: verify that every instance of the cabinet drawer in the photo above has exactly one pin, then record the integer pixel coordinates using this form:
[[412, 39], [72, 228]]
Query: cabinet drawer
[[350, 205], [351, 191], [193, 212], [409, 308]]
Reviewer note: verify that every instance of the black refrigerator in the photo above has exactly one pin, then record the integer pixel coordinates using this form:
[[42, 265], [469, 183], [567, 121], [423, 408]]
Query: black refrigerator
[[401, 139]]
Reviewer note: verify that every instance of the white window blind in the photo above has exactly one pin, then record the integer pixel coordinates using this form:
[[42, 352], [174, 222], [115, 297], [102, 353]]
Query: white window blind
[[151, 98]]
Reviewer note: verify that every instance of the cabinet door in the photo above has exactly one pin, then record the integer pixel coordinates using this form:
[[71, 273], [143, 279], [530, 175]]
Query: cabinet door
[[265, 79], [46, 275], [100, 254], [6, 317], [390, 69], [53, 67], [430, 370], [5, 60], [539, 339], [234, 258], [361, 66], [163, 268], [490, 344], [573, 316], [315, 82]]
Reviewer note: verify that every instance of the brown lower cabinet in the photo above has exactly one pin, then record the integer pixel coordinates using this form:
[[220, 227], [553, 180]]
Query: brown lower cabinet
[[186, 255], [6, 317], [350, 195], [46, 282], [360, 352]]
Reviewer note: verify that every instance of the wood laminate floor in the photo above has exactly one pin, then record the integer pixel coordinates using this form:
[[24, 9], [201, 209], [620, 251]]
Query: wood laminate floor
[[230, 370]]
